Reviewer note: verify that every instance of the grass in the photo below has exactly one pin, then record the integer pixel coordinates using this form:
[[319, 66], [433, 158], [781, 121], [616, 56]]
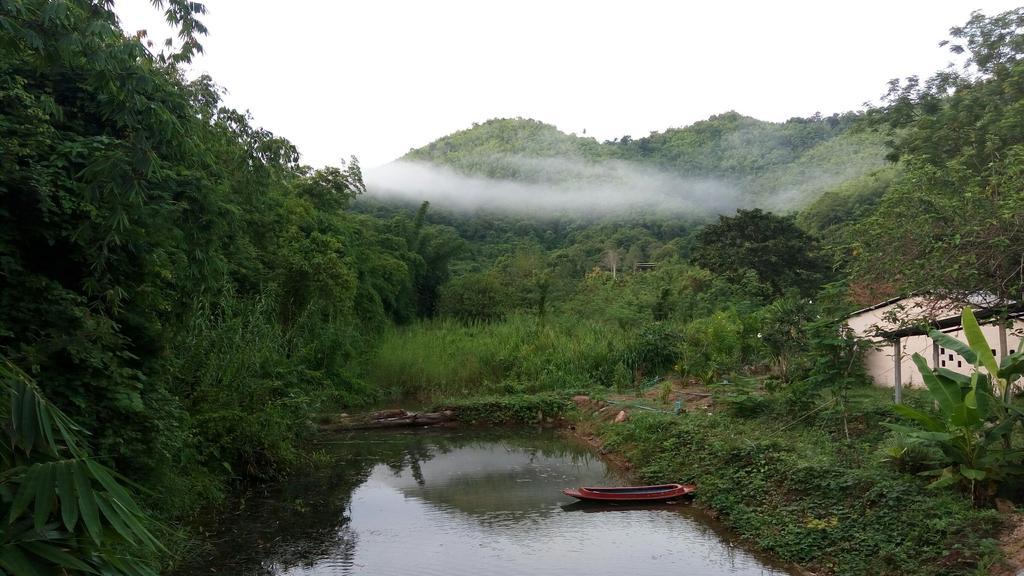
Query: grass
[[445, 358]]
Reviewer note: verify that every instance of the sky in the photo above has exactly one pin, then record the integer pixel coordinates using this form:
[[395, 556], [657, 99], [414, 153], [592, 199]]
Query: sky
[[377, 78]]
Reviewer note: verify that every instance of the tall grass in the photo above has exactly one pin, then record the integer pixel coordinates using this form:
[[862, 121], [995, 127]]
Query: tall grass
[[446, 358]]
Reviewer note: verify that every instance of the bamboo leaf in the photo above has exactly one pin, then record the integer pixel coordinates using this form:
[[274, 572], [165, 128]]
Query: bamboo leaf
[[26, 490], [66, 491], [87, 504], [27, 419], [43, 496], [114, 517], [15, 562], [56, 556], [131, 518], [123, 504], [45, 440], [106, 479]]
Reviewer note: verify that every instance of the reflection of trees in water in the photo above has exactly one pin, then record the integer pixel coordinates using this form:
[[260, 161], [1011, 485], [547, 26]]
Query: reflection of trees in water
[[288, 526], [526, 484], [297, 523]]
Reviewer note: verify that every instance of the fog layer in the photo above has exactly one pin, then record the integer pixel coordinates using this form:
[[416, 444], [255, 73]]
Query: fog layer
[[546, 186]]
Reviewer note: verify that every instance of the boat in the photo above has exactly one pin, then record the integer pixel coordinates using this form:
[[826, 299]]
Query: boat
[[656, 493]]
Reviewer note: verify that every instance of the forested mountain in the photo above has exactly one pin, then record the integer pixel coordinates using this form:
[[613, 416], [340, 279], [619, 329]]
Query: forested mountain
[[782, 166]]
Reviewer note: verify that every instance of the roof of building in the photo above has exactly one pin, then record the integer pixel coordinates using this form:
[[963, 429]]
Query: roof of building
[[986, 306], [1013, 312]]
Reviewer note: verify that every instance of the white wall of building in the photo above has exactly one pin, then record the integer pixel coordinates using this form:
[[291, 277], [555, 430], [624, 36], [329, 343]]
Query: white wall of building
[[880, 363]]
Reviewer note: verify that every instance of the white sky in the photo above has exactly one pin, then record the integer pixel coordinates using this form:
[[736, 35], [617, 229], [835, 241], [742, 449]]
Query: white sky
[[376, 78]]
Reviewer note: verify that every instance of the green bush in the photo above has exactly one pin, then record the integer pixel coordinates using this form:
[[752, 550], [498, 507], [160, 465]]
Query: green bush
[[976, 416], [742, 398], [650, 350], [518, 409], [712, 346], [475, 297]]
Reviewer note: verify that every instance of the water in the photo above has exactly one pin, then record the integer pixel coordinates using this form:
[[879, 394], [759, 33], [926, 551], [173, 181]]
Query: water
[[463, 503]]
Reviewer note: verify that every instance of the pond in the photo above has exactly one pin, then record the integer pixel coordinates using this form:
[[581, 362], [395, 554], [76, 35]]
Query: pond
[[462, 502]]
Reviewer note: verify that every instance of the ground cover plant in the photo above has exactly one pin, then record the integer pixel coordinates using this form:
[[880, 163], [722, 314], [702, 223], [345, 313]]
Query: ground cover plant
[[805, 493]]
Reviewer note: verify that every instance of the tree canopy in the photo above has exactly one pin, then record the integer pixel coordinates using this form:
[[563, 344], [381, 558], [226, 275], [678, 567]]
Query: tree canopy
[[953, 220], [780, 255]]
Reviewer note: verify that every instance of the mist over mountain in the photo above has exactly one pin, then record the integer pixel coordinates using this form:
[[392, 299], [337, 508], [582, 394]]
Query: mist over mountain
[[556, 186], [729, 161]]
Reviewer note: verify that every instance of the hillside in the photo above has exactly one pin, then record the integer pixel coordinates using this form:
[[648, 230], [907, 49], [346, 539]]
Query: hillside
[[781, 166]]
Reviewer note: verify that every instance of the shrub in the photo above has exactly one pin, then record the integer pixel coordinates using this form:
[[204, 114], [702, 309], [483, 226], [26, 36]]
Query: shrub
[[475, 297], [712, 346]]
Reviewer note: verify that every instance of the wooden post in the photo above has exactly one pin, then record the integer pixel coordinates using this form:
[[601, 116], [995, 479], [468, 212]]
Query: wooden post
[[897, 365]]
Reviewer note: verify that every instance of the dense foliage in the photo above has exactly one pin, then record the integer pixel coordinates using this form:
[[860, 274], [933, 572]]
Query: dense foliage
[[178, 284], [952, 220], [976, 417], [175, 280], [781, 166], [780, 255]]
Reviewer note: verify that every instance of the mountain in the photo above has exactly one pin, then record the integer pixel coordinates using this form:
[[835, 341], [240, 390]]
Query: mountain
[[782, 166]]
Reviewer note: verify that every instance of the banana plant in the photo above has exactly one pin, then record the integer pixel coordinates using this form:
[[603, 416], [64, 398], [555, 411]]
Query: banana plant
[[61, 511], [976, 416]]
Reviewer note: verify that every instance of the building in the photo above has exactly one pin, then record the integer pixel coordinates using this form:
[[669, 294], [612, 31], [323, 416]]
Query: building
[[900, 327]]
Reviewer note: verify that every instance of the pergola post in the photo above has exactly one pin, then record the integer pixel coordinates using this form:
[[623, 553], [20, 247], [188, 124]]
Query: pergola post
[[897, 372], [1002, 340]]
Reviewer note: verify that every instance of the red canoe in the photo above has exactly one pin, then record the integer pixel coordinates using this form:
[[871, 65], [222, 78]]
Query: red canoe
[[632, 493]]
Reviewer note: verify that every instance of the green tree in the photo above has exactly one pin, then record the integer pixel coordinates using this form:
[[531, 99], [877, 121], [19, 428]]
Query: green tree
[[474, 297], [773, 247], [952, 221], [178, 283]]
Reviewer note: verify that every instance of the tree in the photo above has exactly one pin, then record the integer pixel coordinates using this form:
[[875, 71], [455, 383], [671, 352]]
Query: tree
[[172, 276], [611, 260], [780, 254], [475, 297], [954, 221]]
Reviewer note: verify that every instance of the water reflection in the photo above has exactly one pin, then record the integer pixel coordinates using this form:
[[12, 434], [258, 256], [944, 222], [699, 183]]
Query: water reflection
[[459, 503]]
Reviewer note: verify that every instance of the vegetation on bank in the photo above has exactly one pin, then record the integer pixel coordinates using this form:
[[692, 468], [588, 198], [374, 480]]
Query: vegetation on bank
[[809, 495], [178, 284], [544, 408]]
